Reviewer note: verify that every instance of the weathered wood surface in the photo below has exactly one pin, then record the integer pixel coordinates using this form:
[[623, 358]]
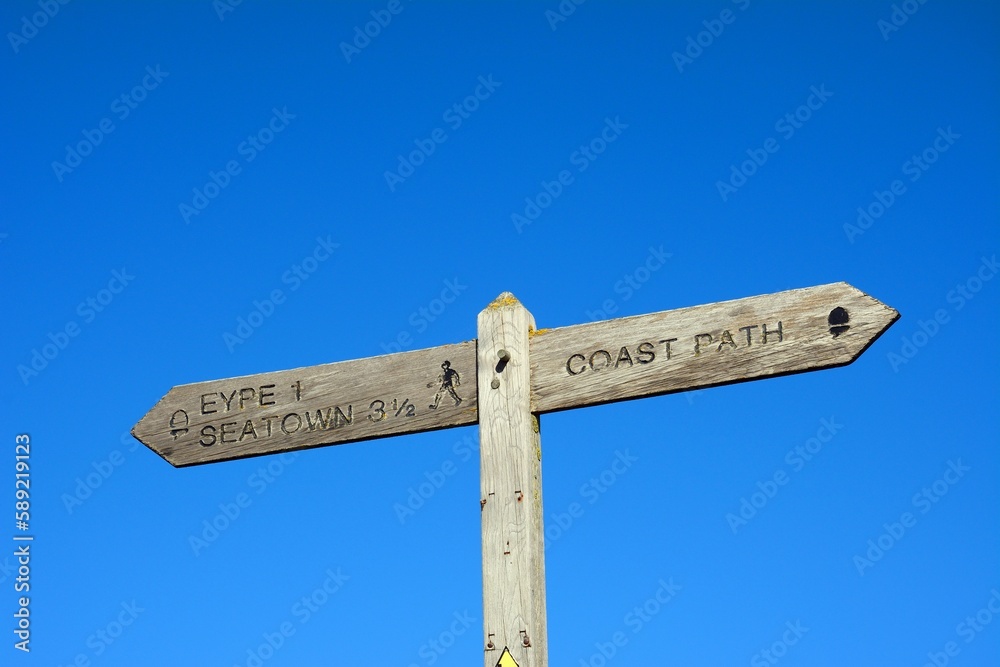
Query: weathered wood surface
[[703, 346], [320, 405], [511, 490]]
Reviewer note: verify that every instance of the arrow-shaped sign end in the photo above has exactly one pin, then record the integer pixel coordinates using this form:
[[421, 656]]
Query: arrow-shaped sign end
[[863, 315], [177, 424]]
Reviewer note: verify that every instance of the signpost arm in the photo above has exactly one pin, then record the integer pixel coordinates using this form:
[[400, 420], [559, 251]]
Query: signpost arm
[[514, 624]]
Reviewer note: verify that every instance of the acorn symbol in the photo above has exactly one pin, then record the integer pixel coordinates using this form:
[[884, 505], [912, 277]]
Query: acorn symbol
[[178, 427], [838, 321]]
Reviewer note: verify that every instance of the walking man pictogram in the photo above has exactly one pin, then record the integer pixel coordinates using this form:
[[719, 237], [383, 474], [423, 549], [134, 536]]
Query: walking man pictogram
[[447, 382]]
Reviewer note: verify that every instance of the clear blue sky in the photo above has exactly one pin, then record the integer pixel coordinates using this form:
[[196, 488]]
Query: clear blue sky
[[170, 166]]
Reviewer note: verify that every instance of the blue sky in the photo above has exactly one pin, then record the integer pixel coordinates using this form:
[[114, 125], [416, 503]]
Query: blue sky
[[174, 169]]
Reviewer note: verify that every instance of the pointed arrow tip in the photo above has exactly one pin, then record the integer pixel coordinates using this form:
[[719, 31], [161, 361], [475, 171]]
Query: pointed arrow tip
[[144, 432], [879, 316]]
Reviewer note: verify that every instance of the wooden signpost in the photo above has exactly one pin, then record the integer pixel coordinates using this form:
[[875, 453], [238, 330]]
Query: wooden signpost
[[321, 405], [504, 380]]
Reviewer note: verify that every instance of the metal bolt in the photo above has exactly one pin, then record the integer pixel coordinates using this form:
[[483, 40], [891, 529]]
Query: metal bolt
[[504, 356], [495, 384]]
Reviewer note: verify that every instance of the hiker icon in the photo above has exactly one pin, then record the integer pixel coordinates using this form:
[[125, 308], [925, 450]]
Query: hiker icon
[[446, 382]]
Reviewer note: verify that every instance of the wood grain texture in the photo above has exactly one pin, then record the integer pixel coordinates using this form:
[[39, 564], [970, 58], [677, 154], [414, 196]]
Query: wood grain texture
[[703, 346], [320, 405], [511, 490]]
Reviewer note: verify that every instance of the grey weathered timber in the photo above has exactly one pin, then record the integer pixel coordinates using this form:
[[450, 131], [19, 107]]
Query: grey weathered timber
[[320, 405], [511, 490], [703, 346], [586, 364], [520, 373]]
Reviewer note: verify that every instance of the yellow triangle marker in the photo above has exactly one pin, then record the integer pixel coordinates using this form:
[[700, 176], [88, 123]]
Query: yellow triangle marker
[[506, 660]]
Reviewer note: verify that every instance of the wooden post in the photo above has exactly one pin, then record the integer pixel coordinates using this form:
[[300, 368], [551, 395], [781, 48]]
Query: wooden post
[[560, 369], [511, 491]]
